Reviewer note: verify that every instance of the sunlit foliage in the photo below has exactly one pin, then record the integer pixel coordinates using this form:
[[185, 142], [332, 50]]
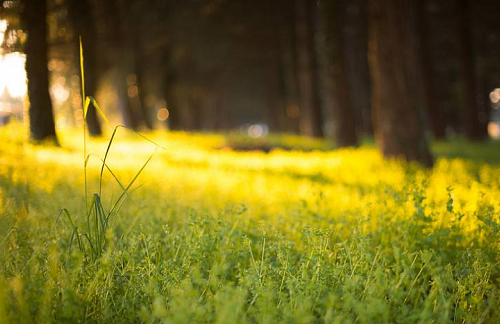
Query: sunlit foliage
[[214, 235]]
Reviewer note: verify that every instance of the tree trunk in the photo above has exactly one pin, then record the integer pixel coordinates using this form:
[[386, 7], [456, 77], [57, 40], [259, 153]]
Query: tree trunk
[[139, 62], [473, 128], [42, 125], [275, 104], [355, 49], [83, 24], [393, 62], [130, 118], [169, 81], [434, 112], [310, 110], [287, 41], [275, 83], [126, 26], [332, 22]]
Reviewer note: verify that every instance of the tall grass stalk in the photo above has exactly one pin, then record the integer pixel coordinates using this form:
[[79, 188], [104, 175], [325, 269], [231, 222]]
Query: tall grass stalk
[[93, 242], [84, 126]]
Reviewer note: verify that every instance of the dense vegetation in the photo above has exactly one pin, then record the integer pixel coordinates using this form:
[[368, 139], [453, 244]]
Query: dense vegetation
[[208, 234]]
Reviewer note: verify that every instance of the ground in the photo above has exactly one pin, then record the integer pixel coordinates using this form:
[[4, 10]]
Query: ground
[[207, 234]]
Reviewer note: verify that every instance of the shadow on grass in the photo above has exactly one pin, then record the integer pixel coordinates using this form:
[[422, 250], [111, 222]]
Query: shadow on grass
[[479, 152]]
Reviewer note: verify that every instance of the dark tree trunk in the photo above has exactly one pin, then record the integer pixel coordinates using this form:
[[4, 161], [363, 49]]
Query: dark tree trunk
[[42, 125], [332, 22], [435, 115], [486, 47], [139, 63], [124, 104], [84, 26], [224, 116], [169, 81], [355, 49], [287, 41], [275, 86], [126, 25], [474, 129], [393, 61], [195, 101], [309, 102], [275, 104]]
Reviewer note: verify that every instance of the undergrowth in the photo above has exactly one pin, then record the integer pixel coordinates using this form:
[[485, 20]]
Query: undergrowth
[[226, 237]]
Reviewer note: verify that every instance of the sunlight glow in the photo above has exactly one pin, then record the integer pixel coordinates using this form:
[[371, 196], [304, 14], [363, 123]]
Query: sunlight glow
[[12, 73], [257, 130], [495, 98], [59, 93], [494, 130], [3, 28]]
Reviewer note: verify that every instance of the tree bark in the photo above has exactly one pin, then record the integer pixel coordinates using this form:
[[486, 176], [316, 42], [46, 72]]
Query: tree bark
[[355, 49], [393, 58], [332, 22], [124, 31], [169, 82], [141, 95], [83, 24], [434, 112], [130, 118], [288, 59], [139, 62], [42, 125], [275, 83], [309, 101], [474, 129]]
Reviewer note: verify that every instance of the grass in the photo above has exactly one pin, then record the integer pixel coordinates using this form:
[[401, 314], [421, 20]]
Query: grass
[[218, 236]]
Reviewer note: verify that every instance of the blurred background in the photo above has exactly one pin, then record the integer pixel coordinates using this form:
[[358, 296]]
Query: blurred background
[[281, 66]]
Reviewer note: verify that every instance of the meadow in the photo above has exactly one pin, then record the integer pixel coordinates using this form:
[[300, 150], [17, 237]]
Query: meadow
[[206, 234]]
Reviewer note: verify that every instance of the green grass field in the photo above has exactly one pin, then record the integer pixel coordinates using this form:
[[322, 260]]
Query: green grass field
[[209, 235]]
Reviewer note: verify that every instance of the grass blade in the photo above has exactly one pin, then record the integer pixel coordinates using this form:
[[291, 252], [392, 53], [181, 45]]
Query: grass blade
[[98, 109], [106, 157], [86, 107], [132, 182]]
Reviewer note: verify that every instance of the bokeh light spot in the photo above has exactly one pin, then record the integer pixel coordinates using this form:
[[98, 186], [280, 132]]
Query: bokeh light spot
[[162, 114]]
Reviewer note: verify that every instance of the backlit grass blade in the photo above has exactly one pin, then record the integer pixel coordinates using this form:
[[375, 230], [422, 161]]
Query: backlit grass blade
[[104, 164], [86, 107], [98, 109], [145, 138], [109, 147], [88, 101], [114, 176], [132, 182], [106, 156], [87, 159], [141, 169], [81, 70], [117, 210], [97, 219]]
